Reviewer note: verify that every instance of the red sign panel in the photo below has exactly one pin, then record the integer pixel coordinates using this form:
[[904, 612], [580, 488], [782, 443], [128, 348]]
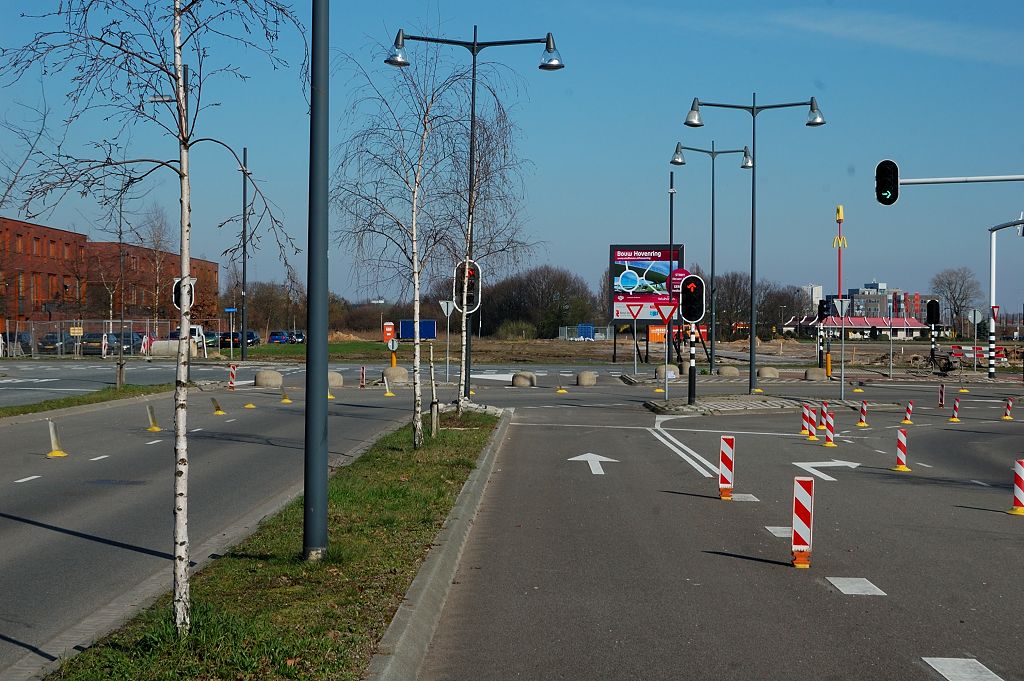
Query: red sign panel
[[995, 312]]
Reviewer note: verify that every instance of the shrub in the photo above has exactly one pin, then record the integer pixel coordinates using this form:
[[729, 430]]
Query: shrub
[[516, 330]]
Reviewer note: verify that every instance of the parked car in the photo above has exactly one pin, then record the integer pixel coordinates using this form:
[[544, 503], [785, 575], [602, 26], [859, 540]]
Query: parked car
[[231, 339], [299, 336], [57, 344], [212, 339], [278, 337], [92, 343], [13, 340], [132, 341], [252, 338]]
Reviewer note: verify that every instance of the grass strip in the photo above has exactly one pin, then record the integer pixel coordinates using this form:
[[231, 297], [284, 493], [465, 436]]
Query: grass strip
[[260, 612], [103, 395], [340, 351]]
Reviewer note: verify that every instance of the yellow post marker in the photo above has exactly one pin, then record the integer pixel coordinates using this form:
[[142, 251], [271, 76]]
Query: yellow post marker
[[387, 389], [561, 390], [217, 411], [55, 449], [394, 358], [284, 397], [248, 405], [153, 427], [330, 395]]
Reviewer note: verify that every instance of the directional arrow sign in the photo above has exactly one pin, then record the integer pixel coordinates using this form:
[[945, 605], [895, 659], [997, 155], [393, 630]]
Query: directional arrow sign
[[594, 460], [812, 466]]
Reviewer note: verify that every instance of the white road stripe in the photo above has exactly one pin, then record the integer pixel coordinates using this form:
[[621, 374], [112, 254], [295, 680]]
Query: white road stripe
[[926, 465], [855, 586], [665, 441], [881, 452], [961, 669], [196, 430], [979, 482], [744, 497], [781, 532], [154, 442], [230, 420], [97, 458], [713, 467], [31, 477]]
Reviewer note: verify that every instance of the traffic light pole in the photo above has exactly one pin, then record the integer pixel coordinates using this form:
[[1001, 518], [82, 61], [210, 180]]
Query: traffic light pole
[[691, 397]]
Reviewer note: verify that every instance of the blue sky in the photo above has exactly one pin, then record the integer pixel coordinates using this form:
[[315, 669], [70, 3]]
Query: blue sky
[[932, 85]]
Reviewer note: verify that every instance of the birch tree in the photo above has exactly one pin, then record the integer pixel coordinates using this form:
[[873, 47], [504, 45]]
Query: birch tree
[[120, 57]]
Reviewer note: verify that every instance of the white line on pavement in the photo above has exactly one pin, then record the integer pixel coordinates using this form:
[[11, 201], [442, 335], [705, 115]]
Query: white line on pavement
[[31, 477], [153, 442], [961, 669], [744, 497], [926, 465], [196, 430], [662, 437], [781, 532], [97, 458], [881, 452], [855, 586], [230, 420], [979, 482]]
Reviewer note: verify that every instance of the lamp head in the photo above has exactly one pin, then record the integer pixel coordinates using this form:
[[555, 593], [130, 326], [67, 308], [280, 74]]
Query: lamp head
[[677, 157], [693, 118], [550, 59], [748, 160], [814, 117], [397, 55]]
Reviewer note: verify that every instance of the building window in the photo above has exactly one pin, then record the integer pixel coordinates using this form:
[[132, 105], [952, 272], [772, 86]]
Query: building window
[[53, 249], [67, 251], [19, 244], [35, 245]]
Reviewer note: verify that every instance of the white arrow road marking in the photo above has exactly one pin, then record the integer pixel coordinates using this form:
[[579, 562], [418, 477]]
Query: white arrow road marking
[[594, 460], [31, 477], [812, 466], [855, 586], [961, 669], [682, 450]]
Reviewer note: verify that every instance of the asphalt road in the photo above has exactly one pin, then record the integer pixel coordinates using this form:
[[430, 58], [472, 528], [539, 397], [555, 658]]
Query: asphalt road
[[88, 537], [641, 572]]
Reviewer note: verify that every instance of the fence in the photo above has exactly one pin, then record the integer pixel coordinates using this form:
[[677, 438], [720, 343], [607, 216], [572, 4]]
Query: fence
[[54, 338], [580, 332]]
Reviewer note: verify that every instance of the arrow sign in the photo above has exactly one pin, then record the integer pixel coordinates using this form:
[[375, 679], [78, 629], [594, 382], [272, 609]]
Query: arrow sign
[[812, 466], [666, 310], [594, 460], [692, 287], [635, 309]]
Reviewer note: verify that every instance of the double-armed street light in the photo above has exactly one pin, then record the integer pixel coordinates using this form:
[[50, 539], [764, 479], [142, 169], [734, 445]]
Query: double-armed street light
[[746, 164], [693, 120], [550, 60]]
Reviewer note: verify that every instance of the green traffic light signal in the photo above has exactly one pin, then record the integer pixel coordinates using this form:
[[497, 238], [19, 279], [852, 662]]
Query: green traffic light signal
[[887, 182]]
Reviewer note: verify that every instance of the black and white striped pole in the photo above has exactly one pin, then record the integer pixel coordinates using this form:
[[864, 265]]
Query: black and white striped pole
[[1019, 224], [691, 396]]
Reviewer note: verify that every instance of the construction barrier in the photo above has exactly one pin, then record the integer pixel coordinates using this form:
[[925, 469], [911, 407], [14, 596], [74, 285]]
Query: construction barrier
[[1008, 414], [726, 463], [821, 415], [151, 413], [804, 418], [830, 429], [56, 451], [910, 412], [232, 373], [863, 423], [955, 418], [1018, 488], [803, 521], [812, 418], [901, 451]]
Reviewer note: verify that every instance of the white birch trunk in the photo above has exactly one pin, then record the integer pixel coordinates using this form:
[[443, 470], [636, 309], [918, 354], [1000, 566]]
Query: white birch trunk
[[417, 390], [182, 600]]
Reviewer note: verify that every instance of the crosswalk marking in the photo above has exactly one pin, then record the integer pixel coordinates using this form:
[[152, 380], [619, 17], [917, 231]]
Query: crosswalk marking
[[781, 532], [31, 477], [961, 669], [855, 586]]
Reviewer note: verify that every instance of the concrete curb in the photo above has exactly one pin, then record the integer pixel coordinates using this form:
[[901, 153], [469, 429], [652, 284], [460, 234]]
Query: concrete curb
[[404, 645]]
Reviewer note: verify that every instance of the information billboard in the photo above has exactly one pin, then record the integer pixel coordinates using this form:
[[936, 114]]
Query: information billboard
[[641, 275]]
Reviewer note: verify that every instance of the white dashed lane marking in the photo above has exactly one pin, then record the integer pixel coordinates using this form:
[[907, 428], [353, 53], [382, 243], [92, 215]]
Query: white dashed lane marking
[[855, 586], [961, 669], [781, 532], [230, 420], [153, 442], [97, 458], [744, 497], [31, 477], [979, 482], [196, 430]]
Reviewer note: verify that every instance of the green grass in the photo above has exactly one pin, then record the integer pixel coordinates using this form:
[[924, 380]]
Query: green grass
[[345, 350], [103, 395], [261, 613]]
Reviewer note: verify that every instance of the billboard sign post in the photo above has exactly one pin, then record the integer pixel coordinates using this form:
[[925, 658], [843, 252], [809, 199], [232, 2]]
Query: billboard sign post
[[667, 312], [634, 311], [642, 275]]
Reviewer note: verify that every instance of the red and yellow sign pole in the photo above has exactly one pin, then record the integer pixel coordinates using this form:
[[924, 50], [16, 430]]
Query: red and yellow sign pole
[[839, 243]]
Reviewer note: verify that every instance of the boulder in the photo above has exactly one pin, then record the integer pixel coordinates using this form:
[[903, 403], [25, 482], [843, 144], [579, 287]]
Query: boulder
[[814, 374], [767, 372], [396, 375], [524, 379], [267, 378], [729, 371], [169, 348], [659, 371], [336, 380], [586, 378]]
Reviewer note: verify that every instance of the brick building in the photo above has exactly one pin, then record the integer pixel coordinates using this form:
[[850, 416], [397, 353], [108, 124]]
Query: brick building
[[53, 274]]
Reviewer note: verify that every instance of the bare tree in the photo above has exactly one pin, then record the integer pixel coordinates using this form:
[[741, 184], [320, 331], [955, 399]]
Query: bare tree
[[15, 161], [121, 56], [154, 235], [959, 290], [733, 301]]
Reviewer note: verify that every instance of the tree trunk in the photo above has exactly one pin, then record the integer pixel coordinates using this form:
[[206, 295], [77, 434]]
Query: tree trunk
[[417, 396], [182, 600]]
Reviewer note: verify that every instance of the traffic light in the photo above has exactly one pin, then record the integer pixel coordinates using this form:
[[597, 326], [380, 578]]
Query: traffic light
[[473, 283], [691, 298], [823, 309], [932, 316], [887, 182]]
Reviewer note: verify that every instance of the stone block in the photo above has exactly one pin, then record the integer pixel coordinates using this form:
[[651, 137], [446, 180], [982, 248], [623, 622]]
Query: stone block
[[267, 378], [586, 378]]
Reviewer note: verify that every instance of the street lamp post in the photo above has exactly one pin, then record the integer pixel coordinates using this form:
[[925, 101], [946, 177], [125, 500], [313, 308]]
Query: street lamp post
[[693, 120], [550, 60], [244, 336], [747, 163]]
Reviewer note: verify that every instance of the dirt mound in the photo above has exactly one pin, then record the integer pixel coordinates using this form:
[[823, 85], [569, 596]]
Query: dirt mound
[[339, 336]]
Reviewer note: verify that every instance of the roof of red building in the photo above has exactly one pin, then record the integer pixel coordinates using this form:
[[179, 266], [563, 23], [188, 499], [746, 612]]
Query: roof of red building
[[853, 322]]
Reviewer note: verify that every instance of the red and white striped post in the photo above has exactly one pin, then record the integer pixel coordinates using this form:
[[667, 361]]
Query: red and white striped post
[[821, 415], [803, 521], [955, 418], [726, 465], [830, 429], [863, 423], [232, 373], [942, 395], [1008, 414], [812, 418], [901, 451], [1018, 488], [910, 412], [804, 416]]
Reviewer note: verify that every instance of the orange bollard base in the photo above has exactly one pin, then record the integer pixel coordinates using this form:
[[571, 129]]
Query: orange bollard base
[[725, 493], [802, 559]]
